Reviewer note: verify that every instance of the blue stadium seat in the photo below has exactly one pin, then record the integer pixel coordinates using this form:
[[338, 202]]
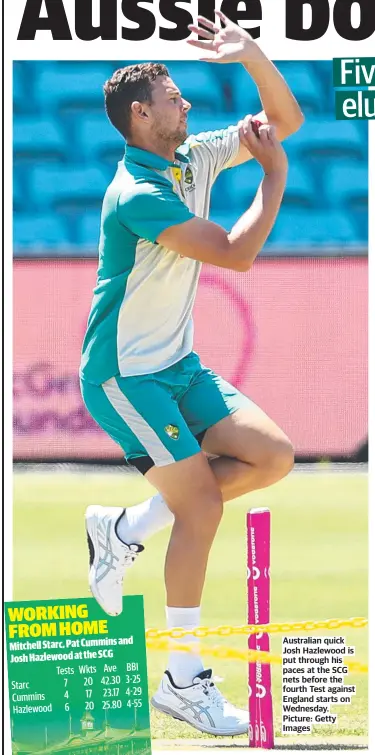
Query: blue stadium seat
[[300, 189], [245, 97], [98, 139], [347, 185], [71, 87], [198, 84], [323, 70], [40, 232], [199, 122], [38, 138], [19, 100], [226, 218], [301, 77], [328, 139], [17, 193], [304, 228], [306, 87], [237, 187], [67, 188], [360, 218], [88, 230]]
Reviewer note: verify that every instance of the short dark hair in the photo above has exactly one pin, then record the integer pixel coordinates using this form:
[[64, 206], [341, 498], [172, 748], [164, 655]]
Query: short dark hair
[[127, 85]]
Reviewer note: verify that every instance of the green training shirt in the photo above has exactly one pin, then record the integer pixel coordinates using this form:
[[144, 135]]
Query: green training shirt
[[141, 315]]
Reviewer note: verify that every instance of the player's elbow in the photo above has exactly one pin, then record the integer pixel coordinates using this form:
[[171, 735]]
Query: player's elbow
[[296, 121], [234, 256], [290, 125], [242, 265]]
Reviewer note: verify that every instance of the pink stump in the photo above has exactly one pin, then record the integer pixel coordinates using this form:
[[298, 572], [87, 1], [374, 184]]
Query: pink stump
[[258, 601]]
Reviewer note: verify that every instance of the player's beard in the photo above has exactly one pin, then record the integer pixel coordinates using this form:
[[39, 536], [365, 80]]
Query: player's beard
[[172, 138]]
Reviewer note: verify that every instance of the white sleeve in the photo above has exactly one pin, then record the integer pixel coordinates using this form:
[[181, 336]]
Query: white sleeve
[[218, 149]]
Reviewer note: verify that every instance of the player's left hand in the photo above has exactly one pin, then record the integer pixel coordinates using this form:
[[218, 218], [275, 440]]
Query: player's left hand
[[228, 45]]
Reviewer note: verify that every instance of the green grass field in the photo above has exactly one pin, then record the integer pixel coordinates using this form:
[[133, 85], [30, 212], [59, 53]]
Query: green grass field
[[319, 567]]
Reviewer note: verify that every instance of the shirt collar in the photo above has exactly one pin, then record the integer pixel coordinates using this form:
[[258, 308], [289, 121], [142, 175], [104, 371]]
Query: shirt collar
[[151, 160]]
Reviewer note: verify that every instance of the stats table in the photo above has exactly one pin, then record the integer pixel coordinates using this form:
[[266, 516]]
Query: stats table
[[77, 678]]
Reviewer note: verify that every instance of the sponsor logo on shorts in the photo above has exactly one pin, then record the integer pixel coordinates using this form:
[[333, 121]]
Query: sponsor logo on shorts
[[172, 431]]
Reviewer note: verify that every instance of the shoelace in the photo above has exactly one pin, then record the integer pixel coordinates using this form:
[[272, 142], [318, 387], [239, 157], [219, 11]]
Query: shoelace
[[214, 695], [127, 559]]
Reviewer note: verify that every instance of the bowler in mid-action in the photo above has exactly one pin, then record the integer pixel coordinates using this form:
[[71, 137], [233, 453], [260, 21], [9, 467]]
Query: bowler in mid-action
[[195, 437]]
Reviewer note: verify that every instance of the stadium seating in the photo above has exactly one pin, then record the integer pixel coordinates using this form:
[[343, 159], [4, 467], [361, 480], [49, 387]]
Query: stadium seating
[[71, 87], [300, 189], [329, 139], [198, 84], [88, 228], [300, 76], [40, 232], [305, 85], [17, 193], [66, 151], [299, 228], [243, 97], [243, 183], [347, 185], [38, 139], [98, 140], [18, 92], [68, 188], [226, 218], [202, 122]]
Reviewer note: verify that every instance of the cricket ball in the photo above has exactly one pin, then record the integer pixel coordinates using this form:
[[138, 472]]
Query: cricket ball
[[255, 125]]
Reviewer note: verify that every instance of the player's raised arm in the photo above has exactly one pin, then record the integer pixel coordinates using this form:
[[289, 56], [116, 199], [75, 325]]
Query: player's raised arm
[[205, 241], [232, 44]]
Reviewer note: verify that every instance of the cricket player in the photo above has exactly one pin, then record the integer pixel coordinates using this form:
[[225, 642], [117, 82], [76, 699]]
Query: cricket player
[[197, 439]]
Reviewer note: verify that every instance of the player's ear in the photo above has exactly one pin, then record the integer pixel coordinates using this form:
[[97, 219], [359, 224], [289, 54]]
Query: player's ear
[[139, 111]]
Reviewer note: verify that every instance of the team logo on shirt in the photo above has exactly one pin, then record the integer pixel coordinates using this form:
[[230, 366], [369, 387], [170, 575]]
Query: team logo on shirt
[[188, 176], [189, 180], [172, 431]]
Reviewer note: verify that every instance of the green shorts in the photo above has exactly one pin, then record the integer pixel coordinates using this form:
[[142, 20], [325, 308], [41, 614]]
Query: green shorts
[[161, 418]]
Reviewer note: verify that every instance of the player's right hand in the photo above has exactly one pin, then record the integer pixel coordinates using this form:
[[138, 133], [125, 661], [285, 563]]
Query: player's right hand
[[265, 148]]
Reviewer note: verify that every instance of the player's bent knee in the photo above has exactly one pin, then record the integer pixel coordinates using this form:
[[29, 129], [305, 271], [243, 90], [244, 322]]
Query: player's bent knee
[[280, 459], [203, 516], [212, 512]]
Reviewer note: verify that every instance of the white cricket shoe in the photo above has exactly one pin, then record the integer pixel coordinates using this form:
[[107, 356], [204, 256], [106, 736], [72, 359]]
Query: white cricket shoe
[[109, 556], [202, 705]]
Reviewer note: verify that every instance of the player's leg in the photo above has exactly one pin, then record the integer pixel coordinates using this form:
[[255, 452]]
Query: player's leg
[[191, 491], [144, 418], [187, 691], [132, 411], [253, 451]]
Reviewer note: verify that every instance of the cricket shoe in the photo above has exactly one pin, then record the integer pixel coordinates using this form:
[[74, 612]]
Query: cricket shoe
[[109, 556], [201, 705]]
